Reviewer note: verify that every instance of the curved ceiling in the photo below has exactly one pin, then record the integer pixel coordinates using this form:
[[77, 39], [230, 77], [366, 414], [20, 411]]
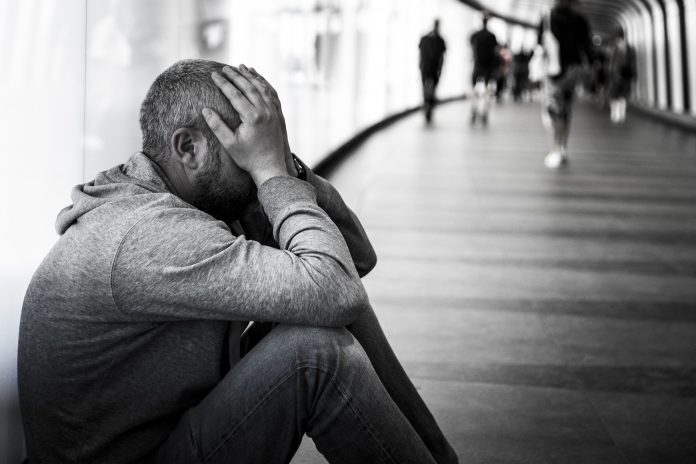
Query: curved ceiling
[[603, 15]]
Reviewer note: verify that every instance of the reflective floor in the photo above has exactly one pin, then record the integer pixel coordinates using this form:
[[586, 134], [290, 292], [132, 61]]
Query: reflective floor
[[545, 316]]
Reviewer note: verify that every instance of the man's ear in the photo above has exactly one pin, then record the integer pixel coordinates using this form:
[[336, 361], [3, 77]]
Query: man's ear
[[186, 147]]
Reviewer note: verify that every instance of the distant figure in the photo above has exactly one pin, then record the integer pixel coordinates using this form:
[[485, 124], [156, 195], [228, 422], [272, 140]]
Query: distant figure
[[432, 53], [622, 70], [571, 30], [504, 66], [599, 82], [486, 61], [520, 73]]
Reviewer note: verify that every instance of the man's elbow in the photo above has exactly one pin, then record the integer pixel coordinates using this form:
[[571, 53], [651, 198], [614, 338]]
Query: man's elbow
[[348, 302], [352, 305], [367, 263]]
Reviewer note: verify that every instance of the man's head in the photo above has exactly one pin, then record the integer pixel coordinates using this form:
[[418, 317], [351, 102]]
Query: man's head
[[177, 138], [485, 17], [436, 25]]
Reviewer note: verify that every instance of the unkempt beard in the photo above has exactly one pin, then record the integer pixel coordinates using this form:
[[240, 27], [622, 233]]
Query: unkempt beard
[[216, 196]]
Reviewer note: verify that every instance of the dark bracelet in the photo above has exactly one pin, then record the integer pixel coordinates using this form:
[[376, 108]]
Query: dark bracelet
[[301, 171]]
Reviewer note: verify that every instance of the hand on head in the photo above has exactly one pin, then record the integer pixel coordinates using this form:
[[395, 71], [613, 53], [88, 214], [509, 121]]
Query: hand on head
[[259, 145]]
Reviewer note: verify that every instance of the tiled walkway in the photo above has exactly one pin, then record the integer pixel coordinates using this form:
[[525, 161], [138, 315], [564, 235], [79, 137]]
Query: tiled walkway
[[546, 317]]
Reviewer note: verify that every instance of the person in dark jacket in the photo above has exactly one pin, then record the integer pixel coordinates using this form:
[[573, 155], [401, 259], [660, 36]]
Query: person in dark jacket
[[432, 53], [520, 73], [621, 68], [484, 46], [572, 33]]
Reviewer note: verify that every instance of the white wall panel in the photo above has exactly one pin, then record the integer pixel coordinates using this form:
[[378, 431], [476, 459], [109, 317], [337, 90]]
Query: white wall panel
[[658, 27], [648, 35], [675, 51], [42, 48]]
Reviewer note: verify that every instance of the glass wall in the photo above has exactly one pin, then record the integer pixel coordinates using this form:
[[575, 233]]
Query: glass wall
[[338, 65], [42, 88]]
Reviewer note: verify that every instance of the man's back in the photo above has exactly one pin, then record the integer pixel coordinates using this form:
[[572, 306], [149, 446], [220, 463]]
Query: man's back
[[112, 382], [484, 46], [573, 34], [432, 49]]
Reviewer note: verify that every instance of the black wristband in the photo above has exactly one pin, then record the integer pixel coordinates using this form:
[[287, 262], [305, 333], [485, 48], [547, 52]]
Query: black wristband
[[301, 171]]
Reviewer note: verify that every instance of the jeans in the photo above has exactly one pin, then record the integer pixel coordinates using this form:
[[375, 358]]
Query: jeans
[[297, 380]]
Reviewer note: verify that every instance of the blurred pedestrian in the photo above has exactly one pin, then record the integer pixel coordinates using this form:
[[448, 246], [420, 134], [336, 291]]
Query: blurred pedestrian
[[432, 53], [622, 70], [571, 33], [486, 61], [504, 66], [599, 79], [520, 73]]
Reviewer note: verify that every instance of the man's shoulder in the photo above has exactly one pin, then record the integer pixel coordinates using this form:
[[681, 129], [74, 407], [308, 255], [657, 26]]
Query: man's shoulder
[[107, 225], [167, 215]]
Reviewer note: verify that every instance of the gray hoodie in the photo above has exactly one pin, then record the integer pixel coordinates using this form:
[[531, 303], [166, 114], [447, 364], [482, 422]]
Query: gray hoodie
[[137, 311]]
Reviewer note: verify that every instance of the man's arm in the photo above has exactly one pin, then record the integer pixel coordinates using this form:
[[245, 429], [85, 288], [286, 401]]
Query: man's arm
[[328, 199], [256, 226]]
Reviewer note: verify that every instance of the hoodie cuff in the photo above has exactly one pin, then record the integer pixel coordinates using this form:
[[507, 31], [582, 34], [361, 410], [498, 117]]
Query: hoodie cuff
[[279, 193]]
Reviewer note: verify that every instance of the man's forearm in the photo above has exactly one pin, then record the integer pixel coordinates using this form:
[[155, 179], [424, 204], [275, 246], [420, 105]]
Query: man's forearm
[[359, 245], [256, 227], [368, 332]]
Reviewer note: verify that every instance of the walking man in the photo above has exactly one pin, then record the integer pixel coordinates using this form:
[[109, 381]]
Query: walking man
[[622, 72], [432, 53], [484, 46], [571, 31]]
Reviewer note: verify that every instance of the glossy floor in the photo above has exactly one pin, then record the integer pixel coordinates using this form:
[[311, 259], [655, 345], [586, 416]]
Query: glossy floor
[[545, 316]]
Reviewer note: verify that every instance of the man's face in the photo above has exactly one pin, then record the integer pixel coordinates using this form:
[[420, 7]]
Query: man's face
[[221, 188]]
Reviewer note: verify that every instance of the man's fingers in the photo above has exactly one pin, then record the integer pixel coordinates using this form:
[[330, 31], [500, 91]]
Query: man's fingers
[[258, 76], [235, 96], [265, 89], [219, 128], [241, 81]]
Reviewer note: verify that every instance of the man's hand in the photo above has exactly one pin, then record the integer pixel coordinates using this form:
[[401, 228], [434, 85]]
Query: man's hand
[[258, 144], [286, 145]]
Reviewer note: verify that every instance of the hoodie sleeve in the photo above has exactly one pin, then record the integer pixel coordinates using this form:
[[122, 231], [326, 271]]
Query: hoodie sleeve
[[328, 198], [180, 263], [256, 225]]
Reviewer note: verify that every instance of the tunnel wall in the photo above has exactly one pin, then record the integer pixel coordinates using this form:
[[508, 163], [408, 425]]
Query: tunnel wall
[[664, 37]]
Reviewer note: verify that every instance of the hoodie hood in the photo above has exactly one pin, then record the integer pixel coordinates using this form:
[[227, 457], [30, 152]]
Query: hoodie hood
[[139, 175]]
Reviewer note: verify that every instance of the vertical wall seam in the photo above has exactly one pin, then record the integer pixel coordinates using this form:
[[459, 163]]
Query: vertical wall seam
[[686, 88], [84, 101], [668, 55]]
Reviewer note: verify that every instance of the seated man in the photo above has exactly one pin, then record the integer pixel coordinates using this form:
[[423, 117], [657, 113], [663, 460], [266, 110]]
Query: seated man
[[131, 342]]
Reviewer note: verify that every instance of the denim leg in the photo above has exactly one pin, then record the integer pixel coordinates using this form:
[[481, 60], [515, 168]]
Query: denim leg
[[297, 380]]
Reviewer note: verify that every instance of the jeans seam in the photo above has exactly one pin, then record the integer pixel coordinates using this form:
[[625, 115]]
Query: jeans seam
[[284, 378], [363, 422]]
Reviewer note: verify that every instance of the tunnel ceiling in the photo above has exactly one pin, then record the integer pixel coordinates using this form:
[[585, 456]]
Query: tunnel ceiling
[[602, 14]]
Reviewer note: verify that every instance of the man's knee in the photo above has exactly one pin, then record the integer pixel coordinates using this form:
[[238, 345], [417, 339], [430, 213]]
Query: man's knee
[[322, 347]]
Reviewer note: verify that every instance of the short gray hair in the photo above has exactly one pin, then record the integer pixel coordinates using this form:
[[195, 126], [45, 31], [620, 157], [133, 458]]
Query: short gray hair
[[175, 100]]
